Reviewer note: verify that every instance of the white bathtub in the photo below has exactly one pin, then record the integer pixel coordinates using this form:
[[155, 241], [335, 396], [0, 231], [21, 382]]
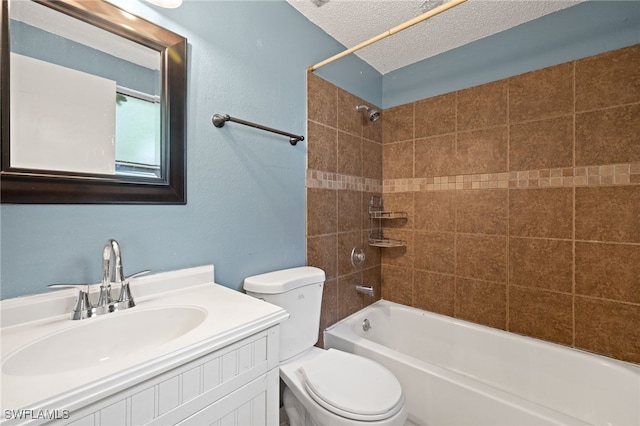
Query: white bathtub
[[458, 373]]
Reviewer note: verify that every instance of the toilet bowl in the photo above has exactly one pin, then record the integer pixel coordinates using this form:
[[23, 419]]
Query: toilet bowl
[[324, 387]]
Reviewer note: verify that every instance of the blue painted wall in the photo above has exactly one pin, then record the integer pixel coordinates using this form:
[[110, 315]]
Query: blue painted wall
[[245, 188], [246, 196], [583, 30]]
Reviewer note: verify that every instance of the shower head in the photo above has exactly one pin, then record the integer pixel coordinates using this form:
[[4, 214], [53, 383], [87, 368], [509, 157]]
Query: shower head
[[372, 113], [431, 4]]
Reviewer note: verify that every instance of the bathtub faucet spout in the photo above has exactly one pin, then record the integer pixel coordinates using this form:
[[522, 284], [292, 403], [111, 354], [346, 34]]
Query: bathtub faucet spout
[[366, 290]]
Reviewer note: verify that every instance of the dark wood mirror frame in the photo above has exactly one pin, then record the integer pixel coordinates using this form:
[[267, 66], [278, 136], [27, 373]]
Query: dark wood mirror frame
[[24, 186]]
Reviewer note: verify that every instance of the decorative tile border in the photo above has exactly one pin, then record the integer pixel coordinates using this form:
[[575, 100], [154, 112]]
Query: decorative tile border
[[611, 174], [327, 180]]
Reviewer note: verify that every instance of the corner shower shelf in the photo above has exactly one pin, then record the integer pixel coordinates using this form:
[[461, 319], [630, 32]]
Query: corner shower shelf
[[376, 212], [386, 242], [387, 215]]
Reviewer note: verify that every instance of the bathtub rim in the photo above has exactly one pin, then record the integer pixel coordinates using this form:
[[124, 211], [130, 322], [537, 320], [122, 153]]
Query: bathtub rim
[[612, 362]]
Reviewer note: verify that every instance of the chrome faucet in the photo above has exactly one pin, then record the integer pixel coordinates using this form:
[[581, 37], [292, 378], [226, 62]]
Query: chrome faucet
[[112, 272], [365, 290], [110, 254]]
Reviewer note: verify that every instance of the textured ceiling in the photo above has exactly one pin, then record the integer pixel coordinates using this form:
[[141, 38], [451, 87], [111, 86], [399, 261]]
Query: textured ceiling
[[353, 21]]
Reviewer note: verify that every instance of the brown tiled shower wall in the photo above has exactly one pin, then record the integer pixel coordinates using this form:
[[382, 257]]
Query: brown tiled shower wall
[[523, 202], [344, 169]]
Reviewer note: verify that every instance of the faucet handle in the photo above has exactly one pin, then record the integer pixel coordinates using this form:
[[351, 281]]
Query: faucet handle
[[125, 300], [137, 274], [83, 308]]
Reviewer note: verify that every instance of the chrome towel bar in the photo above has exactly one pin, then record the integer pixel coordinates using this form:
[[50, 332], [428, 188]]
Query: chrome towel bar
[[218, 120]]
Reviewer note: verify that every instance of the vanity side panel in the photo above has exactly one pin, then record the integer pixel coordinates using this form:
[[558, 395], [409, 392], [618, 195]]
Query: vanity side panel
[[272, 407]]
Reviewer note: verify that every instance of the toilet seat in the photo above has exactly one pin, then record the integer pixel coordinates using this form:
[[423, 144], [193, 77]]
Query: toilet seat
[[342, 383]]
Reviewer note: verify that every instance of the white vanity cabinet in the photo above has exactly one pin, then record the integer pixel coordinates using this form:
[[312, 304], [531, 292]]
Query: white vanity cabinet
[[220, 368], [236, 385]]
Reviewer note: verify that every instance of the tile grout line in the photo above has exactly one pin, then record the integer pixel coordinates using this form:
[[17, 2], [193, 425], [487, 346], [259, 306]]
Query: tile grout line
[[508, 293], [573, 222]]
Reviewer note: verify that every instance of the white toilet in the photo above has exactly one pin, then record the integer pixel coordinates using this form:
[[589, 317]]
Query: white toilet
[[324, 387]]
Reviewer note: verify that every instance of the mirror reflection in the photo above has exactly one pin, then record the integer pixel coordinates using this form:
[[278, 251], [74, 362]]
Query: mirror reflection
[[82, 99], [93, 106]]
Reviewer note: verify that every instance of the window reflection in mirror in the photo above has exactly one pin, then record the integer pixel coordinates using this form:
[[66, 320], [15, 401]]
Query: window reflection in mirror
[[137, 133]]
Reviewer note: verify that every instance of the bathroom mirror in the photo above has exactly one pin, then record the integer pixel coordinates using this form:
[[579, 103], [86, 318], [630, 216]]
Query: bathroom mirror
[[93, 105]]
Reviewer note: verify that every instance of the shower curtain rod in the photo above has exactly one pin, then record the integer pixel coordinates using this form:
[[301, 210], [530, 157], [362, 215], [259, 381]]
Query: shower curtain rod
[[218, 120], [397, 29]]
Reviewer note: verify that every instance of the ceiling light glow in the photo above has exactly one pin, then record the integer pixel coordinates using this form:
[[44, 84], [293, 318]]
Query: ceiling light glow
[[169, 4]]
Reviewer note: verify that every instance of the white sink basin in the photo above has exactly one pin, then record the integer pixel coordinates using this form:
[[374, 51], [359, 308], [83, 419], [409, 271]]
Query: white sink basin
[[99, 340]]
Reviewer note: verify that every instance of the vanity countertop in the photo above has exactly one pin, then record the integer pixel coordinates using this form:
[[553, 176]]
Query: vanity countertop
[[226, 316]]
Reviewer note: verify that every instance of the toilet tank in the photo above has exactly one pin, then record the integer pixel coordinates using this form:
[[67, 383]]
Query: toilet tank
[[299, 292]]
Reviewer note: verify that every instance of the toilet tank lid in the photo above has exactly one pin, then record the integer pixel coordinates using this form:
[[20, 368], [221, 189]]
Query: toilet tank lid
[[284, 280]]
